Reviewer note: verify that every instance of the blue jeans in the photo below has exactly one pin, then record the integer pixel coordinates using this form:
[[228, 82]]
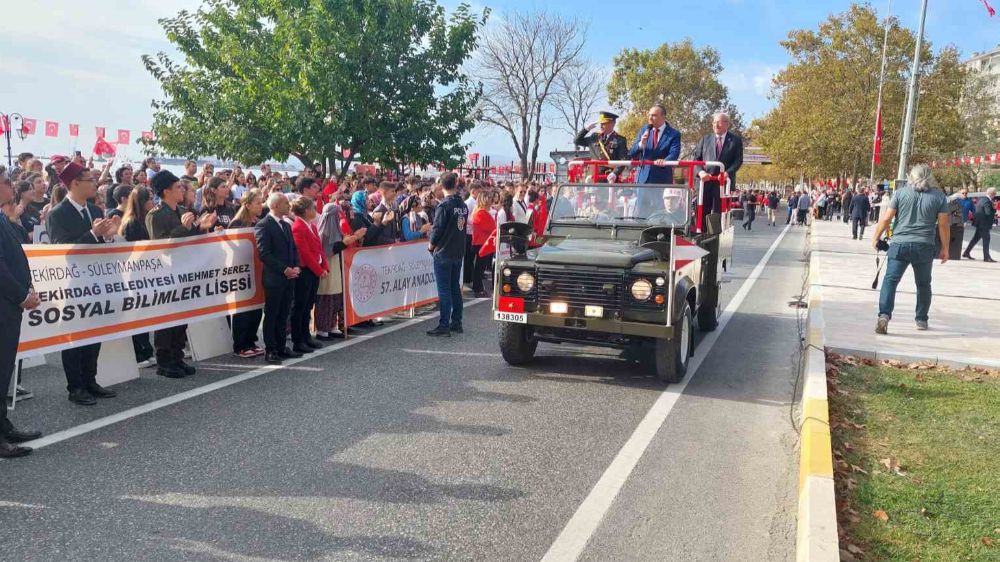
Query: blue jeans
[[921, 257], [448, 274]]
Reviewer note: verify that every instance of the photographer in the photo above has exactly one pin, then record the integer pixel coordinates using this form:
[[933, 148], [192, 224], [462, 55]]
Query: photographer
[[921, 213]]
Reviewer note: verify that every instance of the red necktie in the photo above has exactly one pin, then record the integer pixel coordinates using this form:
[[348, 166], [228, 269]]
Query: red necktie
[[656, 137], [718, 147]]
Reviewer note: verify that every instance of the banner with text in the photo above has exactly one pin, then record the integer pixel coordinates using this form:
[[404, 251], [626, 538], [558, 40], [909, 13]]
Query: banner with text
[[381, 280], [94, 293]]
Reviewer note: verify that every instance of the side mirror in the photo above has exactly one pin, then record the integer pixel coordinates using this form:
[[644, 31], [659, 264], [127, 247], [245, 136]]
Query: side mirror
[[657, 238]]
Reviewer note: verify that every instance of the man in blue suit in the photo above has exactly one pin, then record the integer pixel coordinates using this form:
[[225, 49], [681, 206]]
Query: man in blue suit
[[660, 142]]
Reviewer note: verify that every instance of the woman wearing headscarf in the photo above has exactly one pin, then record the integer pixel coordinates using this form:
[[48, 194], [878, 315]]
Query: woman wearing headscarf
[[328, 312], [362, 220]]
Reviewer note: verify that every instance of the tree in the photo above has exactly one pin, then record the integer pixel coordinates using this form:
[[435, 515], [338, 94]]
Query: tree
[[267, 79], [824, 122], [578, 95], [519, 64], [682, 78]]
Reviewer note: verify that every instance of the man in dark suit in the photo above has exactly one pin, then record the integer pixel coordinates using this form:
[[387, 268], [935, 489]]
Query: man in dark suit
[[983, 221], [75, 220], [721, 146], [281, 260], [16, 296], [858, 210], [660, 142]]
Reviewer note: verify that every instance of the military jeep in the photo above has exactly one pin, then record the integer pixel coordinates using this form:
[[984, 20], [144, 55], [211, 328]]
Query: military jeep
[[622, 266]]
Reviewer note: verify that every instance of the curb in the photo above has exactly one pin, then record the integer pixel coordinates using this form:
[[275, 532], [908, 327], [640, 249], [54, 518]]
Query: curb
[[816, 533]]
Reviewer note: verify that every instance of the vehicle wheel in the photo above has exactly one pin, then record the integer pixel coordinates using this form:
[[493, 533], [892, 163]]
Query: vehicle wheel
[[515, 346], [709, 312], [671, 356]]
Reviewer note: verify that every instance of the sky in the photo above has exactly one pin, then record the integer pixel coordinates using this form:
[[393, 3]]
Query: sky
[[80, 63]]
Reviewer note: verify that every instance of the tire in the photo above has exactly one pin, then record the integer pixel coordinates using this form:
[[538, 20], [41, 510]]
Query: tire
[[515, 346], [709, 312], [672, 356]]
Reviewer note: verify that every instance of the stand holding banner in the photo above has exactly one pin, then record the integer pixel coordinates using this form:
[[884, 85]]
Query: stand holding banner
[[382, 280]]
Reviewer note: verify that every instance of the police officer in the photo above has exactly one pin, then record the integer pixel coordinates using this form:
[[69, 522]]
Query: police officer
[[605, 144], [448, 246]]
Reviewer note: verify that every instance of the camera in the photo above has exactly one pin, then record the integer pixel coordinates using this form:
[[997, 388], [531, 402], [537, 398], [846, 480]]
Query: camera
[[882, 245]]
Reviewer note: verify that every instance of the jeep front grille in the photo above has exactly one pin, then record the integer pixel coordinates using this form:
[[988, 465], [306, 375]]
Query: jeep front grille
[[579, 288]]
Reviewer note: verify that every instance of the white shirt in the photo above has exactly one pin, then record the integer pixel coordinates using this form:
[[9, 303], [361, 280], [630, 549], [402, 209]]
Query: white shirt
[[471, 204], [79, 210]]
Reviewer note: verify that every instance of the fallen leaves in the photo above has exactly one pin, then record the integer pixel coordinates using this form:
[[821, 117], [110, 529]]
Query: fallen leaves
[[881, 515], [988, 542], [893, 466]]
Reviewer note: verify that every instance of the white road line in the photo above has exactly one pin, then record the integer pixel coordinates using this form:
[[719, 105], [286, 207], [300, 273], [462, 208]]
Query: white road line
[[187, 395], [462, 353], [570, 543]]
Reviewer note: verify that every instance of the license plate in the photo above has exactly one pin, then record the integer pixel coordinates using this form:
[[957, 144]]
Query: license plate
[[515, 317]]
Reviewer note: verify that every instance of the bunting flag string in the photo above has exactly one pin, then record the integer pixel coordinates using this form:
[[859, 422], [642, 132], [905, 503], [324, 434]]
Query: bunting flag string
[[29, 126], [988, 159]]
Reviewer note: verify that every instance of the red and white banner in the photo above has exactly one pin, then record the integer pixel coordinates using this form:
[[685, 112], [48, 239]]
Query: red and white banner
[[147, 135], [95, 293], [987, 159], [74, 130], [4, 125], [28, 126], [381, 280], [51, 129], [124, 136]]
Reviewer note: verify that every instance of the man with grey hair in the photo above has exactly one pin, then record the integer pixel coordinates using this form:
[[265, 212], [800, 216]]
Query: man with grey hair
[[921, 213], [720, 146], [281, 266], [983, 221]]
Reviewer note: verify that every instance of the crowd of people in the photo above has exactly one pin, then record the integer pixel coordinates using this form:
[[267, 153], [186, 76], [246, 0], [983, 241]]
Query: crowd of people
[[302, 224]]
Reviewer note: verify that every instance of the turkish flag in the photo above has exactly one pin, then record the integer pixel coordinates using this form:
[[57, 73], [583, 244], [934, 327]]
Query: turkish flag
[[147, 135], [100, 132], [103, 147], [51, 129], [123, 136], [28, 126], [878, 137], [490, 247], [989, 8], [510, 304], [3, 124], [74, 130]]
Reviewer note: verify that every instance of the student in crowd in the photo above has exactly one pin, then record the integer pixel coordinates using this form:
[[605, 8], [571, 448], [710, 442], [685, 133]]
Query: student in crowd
[[12, 212], [245, 324], [76, 221], [215, 199], [314, 268], [120, 195], [415, 223], [281, 267], [483, 226], [137, 205], [29, 214], [329, 309], [171, 220]]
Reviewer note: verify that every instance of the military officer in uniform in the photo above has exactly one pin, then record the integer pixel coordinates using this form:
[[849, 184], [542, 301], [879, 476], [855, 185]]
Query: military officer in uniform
[[605, 144]]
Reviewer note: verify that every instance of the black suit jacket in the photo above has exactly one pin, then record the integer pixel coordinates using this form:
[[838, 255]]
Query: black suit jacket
[[860, 206], [15, 276], [732, 155], [276, 248], [984, 213], [66, 225]]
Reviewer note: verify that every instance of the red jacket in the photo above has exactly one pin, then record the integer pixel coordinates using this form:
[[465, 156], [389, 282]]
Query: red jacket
[[310, 247], [483, 226]]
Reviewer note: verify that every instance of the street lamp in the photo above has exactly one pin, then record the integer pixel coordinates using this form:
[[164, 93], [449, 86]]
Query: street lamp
[[9, 120]]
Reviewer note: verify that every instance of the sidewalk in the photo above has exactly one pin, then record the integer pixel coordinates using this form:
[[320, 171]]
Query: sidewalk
[[964, 317]]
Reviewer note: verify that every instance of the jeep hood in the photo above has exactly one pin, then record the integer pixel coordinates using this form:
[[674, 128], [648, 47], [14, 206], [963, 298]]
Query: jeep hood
[[605, 253]]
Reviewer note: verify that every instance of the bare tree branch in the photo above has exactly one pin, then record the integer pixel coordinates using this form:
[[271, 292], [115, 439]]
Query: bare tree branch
[[579, 93]]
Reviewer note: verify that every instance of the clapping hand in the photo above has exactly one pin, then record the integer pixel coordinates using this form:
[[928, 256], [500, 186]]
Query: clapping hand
[[103, 227], [207, 221], [426, 228], [389, 217], [187, 219], [292, 272]]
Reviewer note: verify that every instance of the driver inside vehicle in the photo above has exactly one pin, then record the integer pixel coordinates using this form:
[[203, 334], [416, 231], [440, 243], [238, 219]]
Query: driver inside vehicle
[[674, 210]]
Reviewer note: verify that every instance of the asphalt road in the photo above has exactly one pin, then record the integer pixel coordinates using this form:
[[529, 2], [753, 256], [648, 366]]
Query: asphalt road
[[402, 447]]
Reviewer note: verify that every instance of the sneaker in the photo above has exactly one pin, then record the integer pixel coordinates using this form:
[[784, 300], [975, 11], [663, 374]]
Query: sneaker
[[440, 332], [247, 354], [23, 393], [882, 326], [922, 325], [257, 351]]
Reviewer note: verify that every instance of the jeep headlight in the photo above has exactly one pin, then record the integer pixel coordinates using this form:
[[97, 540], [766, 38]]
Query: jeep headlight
[[641, 290], [525, 282]]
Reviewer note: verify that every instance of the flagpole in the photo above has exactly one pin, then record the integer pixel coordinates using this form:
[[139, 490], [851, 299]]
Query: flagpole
[[881, 84], [911, 102]]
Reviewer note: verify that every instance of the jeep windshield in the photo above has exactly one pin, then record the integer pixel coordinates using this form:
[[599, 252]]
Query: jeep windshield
[[626, 205]]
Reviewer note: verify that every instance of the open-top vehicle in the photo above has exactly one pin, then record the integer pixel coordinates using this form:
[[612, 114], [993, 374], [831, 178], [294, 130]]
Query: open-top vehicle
[[627, 266]]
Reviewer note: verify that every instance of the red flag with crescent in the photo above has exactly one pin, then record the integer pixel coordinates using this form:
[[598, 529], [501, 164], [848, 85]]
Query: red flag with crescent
[[103, 147], [989, 8], [51, 129], [878, 137]]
